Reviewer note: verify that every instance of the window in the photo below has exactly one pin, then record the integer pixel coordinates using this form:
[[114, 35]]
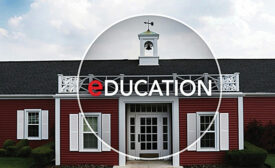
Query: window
[[209, 142], [33, 124], [88, 140]]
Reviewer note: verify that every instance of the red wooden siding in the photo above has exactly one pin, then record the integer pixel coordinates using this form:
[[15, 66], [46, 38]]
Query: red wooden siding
[[228, 105], [260, 108], [8, 119], [107, 106]]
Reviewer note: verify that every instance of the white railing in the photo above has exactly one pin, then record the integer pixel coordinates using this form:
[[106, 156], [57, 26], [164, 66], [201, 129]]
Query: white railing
[[68, 84]]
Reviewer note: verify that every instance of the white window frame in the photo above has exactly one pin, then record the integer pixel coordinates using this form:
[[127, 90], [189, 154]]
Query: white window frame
[[27, 111], [81, 144], [216, 122]]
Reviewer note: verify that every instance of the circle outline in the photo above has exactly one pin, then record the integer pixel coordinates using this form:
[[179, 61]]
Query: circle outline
[[175, 153]]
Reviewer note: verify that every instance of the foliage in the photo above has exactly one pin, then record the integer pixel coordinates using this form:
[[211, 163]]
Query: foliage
[[24, 151], [270, 160], [250, 156], [11, 151], [3, 152], [22, 143], [261, 135], [43, 155], [15, 162], [8, 143]]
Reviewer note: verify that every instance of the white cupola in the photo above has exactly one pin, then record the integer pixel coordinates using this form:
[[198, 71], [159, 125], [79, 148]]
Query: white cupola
[[148, 47]]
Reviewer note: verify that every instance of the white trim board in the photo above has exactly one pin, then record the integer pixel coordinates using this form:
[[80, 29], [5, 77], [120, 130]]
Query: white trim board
[[240, 123], [57, 131]]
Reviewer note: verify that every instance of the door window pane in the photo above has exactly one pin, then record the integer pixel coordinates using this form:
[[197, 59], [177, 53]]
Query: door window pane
[[132, 121], [132, 145], [155, 145]]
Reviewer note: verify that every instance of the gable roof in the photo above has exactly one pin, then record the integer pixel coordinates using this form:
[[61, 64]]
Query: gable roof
[[40, 77]]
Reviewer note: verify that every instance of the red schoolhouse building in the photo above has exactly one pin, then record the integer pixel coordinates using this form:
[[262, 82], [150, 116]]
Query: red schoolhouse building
[[38, 101]]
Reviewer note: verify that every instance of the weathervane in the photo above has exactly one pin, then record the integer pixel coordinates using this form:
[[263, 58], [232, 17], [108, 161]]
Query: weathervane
[[149, 23]]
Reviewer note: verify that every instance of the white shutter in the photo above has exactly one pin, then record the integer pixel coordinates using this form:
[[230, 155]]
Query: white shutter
[[80, 132], [45, 124], [224, 131], [106, 131], [20, 124], [191, 131], [73, 132]]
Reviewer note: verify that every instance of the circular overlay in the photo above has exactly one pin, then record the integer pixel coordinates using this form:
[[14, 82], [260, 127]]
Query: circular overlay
[[115, 42]]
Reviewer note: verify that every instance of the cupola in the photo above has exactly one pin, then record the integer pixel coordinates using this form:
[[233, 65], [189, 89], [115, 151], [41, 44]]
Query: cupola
[[148, 47]]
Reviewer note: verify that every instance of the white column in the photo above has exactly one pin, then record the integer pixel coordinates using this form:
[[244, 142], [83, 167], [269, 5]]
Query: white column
[[57, 131], [240, 123], [175, 127], [122, 133]]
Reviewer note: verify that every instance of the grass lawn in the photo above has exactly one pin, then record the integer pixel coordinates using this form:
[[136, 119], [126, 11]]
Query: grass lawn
[[270, 160], [15, 162]]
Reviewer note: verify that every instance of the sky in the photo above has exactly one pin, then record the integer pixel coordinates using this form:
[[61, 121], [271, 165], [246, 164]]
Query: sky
[[176, 40], [64, 29]]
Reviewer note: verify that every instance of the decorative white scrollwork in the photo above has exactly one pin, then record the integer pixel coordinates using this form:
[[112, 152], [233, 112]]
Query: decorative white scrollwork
[[68, 84], [230, 82]]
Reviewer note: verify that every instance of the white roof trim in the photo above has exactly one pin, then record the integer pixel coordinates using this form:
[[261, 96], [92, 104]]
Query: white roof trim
[[26, 96]]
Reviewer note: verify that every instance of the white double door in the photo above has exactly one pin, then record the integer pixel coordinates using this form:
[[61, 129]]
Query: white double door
[[149, 134]]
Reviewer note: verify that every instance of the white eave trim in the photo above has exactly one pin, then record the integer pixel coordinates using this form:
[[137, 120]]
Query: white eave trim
[[26, 96], [255, 94]]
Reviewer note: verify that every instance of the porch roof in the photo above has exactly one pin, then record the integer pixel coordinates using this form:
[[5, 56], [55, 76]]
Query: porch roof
[[40, 77]]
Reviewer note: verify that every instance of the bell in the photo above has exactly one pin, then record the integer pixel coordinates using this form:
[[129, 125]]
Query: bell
[[148, 45]]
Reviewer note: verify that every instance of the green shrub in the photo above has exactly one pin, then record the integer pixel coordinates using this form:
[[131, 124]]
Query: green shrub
[[11, 151], [250, 156], [3, 152], [268, 138], [261, 135], [24, 151], [8, 143], [22, 143], [43, 155]]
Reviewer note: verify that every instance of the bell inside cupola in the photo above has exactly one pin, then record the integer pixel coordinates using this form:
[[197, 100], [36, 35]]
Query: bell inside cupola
[[148, 45]]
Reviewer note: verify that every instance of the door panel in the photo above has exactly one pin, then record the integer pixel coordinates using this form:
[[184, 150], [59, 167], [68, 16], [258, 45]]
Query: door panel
[[148, 133]]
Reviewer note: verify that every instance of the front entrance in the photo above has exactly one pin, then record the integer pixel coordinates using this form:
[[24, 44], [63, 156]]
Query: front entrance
[[149, 133]]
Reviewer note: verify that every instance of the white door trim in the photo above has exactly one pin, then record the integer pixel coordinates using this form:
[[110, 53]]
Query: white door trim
[[122, 123]]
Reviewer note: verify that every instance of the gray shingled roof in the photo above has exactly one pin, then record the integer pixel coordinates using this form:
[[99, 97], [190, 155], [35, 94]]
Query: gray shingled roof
[[40, 77]]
